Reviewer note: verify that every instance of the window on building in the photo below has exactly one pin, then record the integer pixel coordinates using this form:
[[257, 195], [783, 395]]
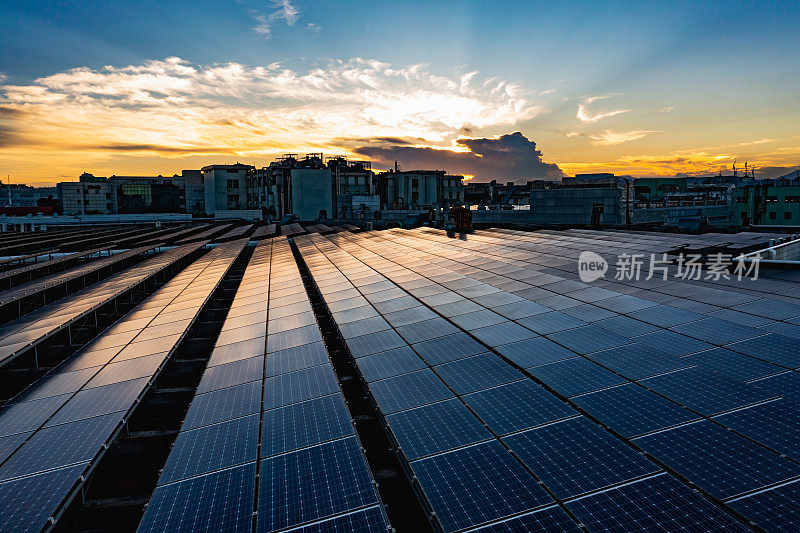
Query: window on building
[[772, 199], [792, 199], [772, 215], [787, 215]]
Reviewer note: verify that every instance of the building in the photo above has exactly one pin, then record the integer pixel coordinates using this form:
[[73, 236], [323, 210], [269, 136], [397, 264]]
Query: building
[[597, 201], [17, 195], [195, 197], [90, 195], [147, 194], [419, 189], [225, 187], [354, 188]]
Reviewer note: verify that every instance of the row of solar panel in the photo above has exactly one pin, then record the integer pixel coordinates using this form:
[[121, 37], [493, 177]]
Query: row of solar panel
[[631, 409], [435, 418], [268, 403], [54, 431], [27, 331]]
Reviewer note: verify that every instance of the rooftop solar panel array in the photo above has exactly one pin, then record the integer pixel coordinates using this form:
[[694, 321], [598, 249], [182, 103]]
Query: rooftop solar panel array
[[60, 426], [631, 369], [268, 404], [23, 333]]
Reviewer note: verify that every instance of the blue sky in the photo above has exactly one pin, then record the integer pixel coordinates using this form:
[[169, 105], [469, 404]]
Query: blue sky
[[696, 85]]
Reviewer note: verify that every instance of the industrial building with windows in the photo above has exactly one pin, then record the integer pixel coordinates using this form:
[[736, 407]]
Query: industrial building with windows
[[239, 377]]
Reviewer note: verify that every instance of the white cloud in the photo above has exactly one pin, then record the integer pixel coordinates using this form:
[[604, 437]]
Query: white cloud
[[668, 109], [610, 138], [586, 116], [280, 10], [173, 108]]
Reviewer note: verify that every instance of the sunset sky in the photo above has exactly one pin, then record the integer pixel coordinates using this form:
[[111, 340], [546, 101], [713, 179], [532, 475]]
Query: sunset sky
[[492, 89]]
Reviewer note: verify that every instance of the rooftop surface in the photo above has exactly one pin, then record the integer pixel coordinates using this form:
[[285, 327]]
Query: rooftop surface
[[406, 379]]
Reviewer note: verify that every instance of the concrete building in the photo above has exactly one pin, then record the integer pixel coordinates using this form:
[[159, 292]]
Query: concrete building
[[195, 196], [596, 201], [417, 189], [17, 195], [147, 194], [90, 195], [225, 187]]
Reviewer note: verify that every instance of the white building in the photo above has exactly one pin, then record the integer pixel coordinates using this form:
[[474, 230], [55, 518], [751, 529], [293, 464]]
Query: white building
[[225, 187]]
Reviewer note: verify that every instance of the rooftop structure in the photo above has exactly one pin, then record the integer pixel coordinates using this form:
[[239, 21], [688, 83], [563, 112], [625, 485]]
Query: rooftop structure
[[183, 376]]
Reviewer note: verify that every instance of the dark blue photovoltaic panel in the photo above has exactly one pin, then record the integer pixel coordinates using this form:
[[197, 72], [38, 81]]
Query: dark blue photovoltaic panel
[[637, 361], [27, 503], [705, 391], [374, 343], [390, 363], [210, 448], [231, 374], [369, 520], [519, 405], [436, 428], [298, 386], [225, 404], [718, 331], [658, 503], [551, 519], [296, 358], [576, 456], [733, 364], [313, 483], [717, 460], [632, 410], [220, 502], [774, 348], [547, 323], [665, 316], [774, 424], [304, 424], [27, 416], [100, 401], [503, 333], [477, 484], [576, 376], [448, 348], [60, 446], [10, 443], [776, 509], [476, 373], [673, 343], [532, 352], [588, 339], [409, 390], [786, 384]]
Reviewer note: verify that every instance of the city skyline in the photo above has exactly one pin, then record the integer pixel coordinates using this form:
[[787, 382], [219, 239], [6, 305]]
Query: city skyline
[[521, 90]]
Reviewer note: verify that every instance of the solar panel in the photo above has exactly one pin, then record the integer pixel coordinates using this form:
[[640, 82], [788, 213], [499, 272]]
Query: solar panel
[[292, 338], [516, 406], [236, 351], [231, 374], [773, 348], [99, 401], [476, 373], [304, 424], [717, 460], [390, 363], [297, 358], [374, 343], [210, 448], [221, 501], [504, 333], [657, 503], [435, 428], [775, 424], [59, 446], [313, 483], [575, 456], [367, 520], [588, 339], [427, 330], [477, 484], [448, 348], [301, 385], [408, 390], [775, 509], [521, 309], [718, 331], [224, 404], [533, 352], [576, 376], [632, 410], [552, 519], [27, 416], [26, 504], [733, 364], [786, 384], [673, 343], [636, 361]]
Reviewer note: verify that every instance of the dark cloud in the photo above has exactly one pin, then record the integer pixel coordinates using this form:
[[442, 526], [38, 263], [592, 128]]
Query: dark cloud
[[775, 172], [510, 156]]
